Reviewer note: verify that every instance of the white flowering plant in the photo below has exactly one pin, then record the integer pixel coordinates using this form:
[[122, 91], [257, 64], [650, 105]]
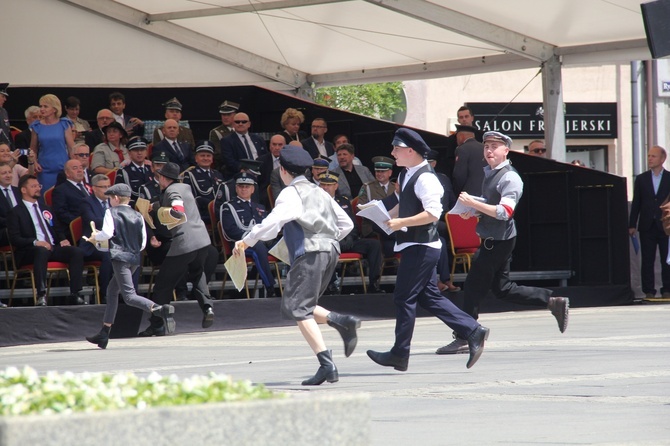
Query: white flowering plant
[[24, 392]]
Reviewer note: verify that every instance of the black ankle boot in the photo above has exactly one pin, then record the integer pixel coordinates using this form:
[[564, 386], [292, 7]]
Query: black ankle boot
[[327, 371], [347, 326], [102, 338]]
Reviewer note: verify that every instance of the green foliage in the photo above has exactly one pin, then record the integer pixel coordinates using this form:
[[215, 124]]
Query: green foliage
[[376, 100], [24, 392]]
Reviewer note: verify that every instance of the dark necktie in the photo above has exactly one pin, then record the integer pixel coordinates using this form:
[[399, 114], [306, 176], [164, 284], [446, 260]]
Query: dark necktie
[[246, 145], [82, 189], [104, 205], [178, 151], [9, 198], [43, 227]]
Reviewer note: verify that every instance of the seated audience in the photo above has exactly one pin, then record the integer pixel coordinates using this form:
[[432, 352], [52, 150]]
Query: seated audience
[[38, 238], [178, 152], [117, 104], [82, 153], [316, 144], [351, 176], [173, 110], [79, 126], [204, 180], [137, 171], [67, 197], [290, 122], [110, 154], [227, 111], [97, 136], [241, 144]]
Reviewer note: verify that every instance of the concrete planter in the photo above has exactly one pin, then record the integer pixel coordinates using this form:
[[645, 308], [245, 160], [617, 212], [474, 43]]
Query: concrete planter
[[335, 419]]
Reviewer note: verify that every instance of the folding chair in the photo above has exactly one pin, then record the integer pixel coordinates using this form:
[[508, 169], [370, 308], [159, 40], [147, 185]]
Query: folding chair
[[52, 268], [464, 240]]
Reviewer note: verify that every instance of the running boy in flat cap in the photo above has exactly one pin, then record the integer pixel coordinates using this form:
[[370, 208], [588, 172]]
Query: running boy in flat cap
[[124, 228], [312, 224], [418, 209]]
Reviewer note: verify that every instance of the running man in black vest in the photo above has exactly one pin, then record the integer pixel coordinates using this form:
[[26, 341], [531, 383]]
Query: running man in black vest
[[418, 209]]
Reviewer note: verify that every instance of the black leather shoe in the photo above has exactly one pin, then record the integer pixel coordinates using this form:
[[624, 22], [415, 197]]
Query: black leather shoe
[[476, 344], [208, 318], [152, 331], [165, 312], [388, 359], [101, 339], [375, 289], [347, 326], [75, 299], [326, 372], [270, 292], [560, 307]]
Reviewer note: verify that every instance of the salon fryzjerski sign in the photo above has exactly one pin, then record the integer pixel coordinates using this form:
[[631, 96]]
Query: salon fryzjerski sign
[[526, 120]]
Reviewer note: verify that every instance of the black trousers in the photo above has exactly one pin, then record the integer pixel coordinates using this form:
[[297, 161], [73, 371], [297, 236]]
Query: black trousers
[[490, 271], [371, 249], [417, 284], [39, 257], [172, 270], [649, 240]]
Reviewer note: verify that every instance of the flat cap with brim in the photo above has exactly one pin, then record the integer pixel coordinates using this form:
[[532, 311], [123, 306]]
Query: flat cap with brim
[[204, 146], [160, 157], [383, 162], [433, 155], [245, 178], [295, 159], [252, 166], [137, 143], [465, 128], [120, 190], [169, 170], [172, 104], [405, 137], [497, 136], [115, 125], [328, 178], [321, 162], [227, 107], [3, 89]]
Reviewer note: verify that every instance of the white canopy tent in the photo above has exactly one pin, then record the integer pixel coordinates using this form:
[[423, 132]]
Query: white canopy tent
[[298, 44]]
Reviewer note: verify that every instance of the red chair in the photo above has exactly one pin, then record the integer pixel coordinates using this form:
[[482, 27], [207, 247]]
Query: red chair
[[93, 266], [464, 240], [112, 175], [47, 195], [210, 227], [347, 258]]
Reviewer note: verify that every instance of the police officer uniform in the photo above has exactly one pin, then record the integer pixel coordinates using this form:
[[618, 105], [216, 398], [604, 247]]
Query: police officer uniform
[[204, 182], [238, 217], [373, 190], [218, 133], [134, 175], [226, 190]]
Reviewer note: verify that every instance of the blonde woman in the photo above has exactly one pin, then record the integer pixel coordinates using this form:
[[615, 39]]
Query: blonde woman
[[52, 138], [290, 122]]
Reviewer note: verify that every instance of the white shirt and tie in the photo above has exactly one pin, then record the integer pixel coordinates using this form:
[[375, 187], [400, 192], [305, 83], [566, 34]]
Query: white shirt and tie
[[9, 195], [80, 186], [41, 232], [249, 146]]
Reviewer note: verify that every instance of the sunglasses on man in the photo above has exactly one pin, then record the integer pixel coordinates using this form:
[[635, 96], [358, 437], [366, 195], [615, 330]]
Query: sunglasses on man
[[539, 150]]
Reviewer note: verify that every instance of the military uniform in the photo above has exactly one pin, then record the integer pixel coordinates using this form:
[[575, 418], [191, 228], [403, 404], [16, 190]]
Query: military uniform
[[5, 128], [134, 176], [204, 185], [238, 217], [218, 133]]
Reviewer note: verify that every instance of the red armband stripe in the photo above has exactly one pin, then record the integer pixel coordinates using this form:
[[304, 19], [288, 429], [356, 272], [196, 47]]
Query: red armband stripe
[[178, 208], [509, 210]]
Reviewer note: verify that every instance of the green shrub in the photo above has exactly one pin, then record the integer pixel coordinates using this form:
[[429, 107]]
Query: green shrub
[[24, 392]]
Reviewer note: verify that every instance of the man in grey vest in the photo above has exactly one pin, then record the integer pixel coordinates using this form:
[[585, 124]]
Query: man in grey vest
[[188, 250], [502, 189], [312, 224]]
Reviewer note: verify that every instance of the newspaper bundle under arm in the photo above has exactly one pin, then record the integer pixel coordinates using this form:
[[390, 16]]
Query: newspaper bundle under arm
[[143, 206], [376, 211], [237, 270], [460, 208], [168, 220], [100, 245]]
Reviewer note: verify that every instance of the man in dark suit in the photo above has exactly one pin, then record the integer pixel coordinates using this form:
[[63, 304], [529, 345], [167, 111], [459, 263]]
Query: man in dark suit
[[97, 136], [269, 162], [67, 196], [80, 152], [316, 144], [22, 140], [448, 159], [178, 152], [10, 196], [468, 172], [38, 239], [649, 191], [134, 126], [240, 144], [92, 209], [173, 111]]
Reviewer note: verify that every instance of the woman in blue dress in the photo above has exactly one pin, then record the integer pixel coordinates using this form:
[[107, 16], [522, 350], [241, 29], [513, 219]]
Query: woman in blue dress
[[51, 140]]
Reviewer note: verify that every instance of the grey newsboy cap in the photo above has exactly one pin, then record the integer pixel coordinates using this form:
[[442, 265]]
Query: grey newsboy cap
[[120, 190]]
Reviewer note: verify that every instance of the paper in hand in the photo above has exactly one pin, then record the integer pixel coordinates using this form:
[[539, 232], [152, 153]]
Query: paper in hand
[[237, 270], [168, 220], [143, 206], [376, 212], [460, 208], [635, 242]]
